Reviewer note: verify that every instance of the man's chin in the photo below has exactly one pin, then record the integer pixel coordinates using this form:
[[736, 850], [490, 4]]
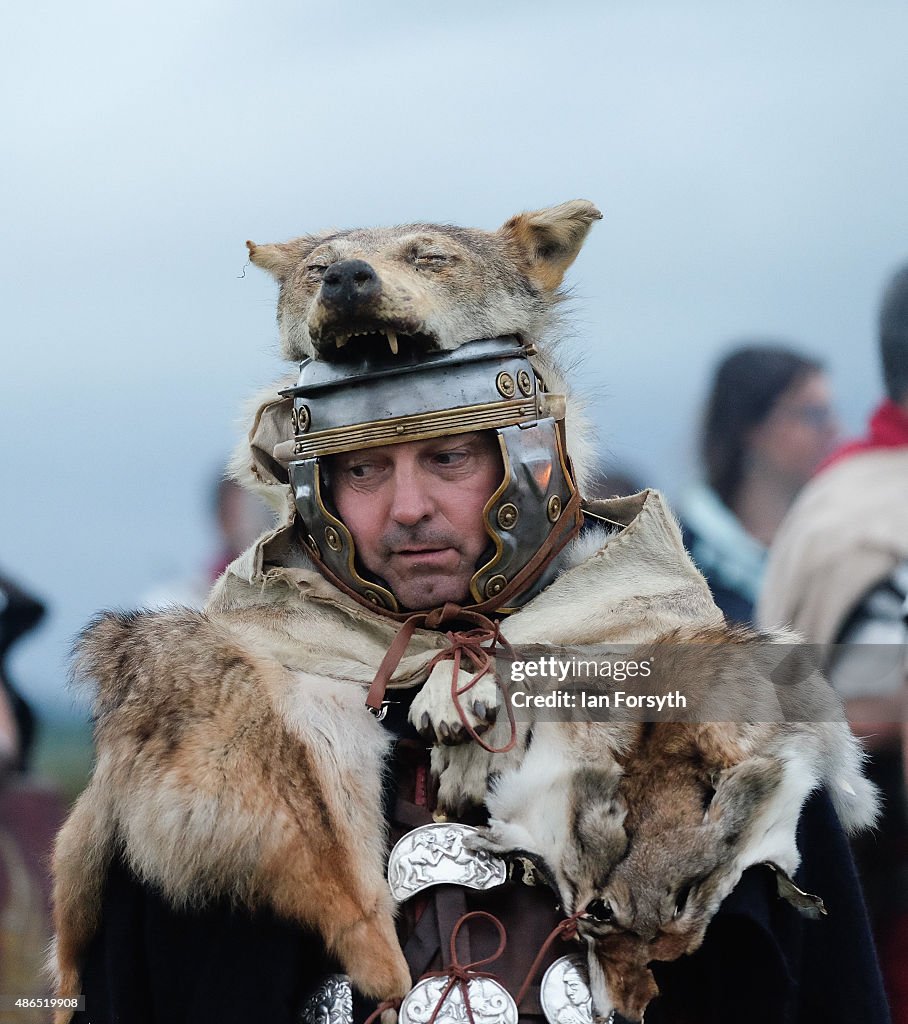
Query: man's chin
[[431, 591]]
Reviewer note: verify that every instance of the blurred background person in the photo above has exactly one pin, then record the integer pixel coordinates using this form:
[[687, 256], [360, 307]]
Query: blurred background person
[[767, 425], [240, 518], [30, 814], [838, 573], [20, 613]]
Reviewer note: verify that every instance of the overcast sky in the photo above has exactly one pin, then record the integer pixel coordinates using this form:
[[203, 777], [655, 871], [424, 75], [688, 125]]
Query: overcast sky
[[750, 160]]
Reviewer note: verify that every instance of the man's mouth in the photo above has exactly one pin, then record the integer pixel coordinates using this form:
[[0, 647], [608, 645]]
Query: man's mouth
[[426, 556]]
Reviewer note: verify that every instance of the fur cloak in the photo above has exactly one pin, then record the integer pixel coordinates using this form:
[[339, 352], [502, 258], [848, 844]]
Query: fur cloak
[[235, 755]]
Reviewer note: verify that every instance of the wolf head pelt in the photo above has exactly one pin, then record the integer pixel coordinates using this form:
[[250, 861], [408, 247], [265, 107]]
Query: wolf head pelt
[[441, 284], [645, 828], [425, 287], [222, 773]]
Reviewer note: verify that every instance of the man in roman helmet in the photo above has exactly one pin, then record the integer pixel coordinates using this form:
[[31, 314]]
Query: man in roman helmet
[[227, 862]]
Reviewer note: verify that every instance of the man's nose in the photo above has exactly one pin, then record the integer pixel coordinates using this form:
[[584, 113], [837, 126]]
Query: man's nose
[[412, 501], [350, 285]]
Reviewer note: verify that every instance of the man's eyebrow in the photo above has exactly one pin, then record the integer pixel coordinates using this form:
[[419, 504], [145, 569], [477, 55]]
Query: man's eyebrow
[[351, 458], [458, 439], [343, 460]]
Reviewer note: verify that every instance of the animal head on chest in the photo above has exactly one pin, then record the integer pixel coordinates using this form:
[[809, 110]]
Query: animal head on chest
[[687, 817], [643, 841], [432, 286]]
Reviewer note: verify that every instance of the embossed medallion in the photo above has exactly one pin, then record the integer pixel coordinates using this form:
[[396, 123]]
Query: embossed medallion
[[565, 992], [490, 1003], [330, 1003], [434, 855]]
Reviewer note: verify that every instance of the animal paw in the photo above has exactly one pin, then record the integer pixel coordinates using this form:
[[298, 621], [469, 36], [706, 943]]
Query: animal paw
[[485, 840], [434, 714]]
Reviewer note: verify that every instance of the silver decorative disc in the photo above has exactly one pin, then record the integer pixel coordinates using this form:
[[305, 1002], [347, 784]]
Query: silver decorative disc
[[330, 1003], [490, 1003], [565, 992], [435, 854]]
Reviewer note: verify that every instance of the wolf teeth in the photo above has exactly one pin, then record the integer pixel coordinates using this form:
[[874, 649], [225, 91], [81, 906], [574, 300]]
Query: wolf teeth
[[341, 339]]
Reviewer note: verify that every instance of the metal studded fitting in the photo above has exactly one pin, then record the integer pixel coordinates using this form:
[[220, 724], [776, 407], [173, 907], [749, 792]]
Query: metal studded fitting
[[508, 515], [300, 419], [495, 586], [525, 383], [553, 509], [505, 384], [373, 598], [332, 538]]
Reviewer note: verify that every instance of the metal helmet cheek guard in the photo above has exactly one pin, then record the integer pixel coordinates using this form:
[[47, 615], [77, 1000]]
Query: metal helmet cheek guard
[[383, 399]]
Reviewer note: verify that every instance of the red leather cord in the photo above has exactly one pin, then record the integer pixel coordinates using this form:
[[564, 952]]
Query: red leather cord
[[460, 974], [566, 929]]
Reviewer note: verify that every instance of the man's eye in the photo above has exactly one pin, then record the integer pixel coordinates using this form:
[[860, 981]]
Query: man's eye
[[450, 458]]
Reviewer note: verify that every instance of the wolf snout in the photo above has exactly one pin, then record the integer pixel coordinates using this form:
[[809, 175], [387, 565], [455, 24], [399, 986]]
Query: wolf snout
[[350, 286]]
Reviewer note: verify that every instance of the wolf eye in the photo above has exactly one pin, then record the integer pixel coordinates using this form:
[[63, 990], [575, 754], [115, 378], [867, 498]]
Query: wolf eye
[[317, 270], [430, 259]]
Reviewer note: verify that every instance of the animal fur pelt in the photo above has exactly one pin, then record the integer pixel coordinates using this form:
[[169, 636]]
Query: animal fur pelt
[[643, 828], [222, 772], [236, 756]]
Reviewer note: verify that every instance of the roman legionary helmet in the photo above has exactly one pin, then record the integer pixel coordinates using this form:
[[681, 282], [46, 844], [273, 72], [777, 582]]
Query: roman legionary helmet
[[385, 398]]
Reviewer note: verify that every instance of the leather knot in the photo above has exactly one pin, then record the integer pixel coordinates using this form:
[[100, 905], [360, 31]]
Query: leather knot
[[461, 974], [479, 645]]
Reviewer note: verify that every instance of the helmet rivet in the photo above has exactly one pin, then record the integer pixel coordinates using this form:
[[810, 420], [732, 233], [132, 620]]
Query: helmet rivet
[[505, 384], [313, 546], [507, 516], [495, 586], [525, 383], [300, 419], [373, 598], [553, 510], [332, 538]]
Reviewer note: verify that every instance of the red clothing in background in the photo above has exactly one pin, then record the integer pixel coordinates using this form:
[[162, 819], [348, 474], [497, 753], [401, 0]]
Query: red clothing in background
[[888, 429]]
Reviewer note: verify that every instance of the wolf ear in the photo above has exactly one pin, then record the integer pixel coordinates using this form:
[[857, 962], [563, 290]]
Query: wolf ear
[[550, 239], [279, 258]]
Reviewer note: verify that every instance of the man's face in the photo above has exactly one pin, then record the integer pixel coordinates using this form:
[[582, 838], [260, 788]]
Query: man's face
[[415, 512]]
